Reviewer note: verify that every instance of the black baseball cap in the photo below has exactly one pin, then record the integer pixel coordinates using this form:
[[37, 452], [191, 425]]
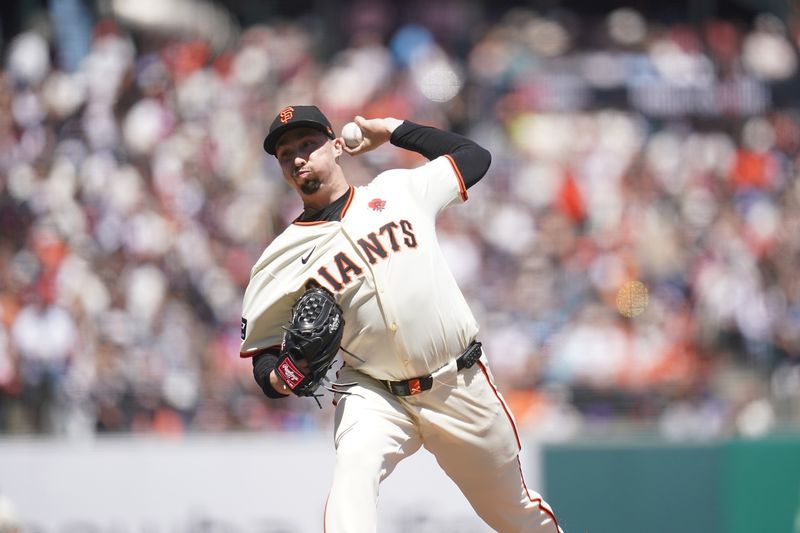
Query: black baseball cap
[[296, 116]]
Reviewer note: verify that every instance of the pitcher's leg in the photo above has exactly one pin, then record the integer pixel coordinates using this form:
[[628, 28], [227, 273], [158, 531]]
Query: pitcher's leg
[[476, 443], [373, 434], [500, 496]]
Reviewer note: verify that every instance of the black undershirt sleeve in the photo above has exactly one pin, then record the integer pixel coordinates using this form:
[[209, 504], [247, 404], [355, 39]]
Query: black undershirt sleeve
[[471, 159], [263, 364]]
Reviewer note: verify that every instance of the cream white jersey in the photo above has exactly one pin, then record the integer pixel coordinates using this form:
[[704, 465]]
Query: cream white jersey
[[404, 313]]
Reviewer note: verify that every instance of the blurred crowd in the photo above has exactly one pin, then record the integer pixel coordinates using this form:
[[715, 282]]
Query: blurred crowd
[[135, 196]]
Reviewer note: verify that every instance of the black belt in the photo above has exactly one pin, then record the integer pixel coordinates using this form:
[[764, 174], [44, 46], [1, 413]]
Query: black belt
[[410, 387]]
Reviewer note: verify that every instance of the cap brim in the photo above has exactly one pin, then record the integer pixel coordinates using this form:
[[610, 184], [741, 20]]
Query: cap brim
[[272, 139]]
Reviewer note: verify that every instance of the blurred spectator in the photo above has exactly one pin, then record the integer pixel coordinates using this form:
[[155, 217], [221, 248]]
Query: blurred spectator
[[45, 337]]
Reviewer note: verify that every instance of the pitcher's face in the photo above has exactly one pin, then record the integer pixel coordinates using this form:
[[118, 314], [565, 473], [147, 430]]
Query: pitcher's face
[[307, 159]]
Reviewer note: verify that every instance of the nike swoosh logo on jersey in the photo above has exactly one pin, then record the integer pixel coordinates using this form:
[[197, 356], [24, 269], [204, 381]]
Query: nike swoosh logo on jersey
[[305, 259]]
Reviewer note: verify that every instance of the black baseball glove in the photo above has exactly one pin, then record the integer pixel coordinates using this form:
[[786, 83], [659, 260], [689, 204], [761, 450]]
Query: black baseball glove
[[311, 341]]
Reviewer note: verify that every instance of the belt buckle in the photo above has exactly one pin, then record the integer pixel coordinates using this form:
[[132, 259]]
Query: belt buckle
[[414, 387]]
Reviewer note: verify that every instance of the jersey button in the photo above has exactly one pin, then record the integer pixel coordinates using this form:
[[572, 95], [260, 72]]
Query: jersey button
[[393, 327]]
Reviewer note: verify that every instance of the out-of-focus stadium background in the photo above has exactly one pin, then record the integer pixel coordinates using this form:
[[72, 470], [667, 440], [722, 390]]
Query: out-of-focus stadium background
[[648, 141]]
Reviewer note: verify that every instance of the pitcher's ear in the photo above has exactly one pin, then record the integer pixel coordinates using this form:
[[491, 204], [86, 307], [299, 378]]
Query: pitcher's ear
[[338, 146]]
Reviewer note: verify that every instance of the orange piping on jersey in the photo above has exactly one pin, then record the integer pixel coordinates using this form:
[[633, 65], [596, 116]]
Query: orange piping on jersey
[[349, 201], [318, 222], [325, 514], [259, 351], [537, 501], [310, 223], [500, 399], [462, 188]]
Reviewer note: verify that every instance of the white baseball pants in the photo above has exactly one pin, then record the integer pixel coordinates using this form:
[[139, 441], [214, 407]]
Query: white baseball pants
[[463, 421]]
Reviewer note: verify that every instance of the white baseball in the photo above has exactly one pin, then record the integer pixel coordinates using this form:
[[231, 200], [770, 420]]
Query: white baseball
[[352, 135]]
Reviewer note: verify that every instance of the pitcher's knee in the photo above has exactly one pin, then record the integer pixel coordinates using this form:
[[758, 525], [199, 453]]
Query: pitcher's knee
[[359, 457]]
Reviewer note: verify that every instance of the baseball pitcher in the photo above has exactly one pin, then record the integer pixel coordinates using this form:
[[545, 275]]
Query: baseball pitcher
[[360, 272]]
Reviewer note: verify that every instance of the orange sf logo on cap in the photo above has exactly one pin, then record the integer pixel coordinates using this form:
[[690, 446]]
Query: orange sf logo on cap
[[286, 115]]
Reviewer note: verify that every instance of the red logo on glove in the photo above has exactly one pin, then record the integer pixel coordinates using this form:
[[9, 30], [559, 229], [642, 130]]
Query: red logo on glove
[[377, 204], [290, 374]]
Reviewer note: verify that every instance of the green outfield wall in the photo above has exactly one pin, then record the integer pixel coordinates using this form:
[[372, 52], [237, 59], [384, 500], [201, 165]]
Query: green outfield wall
[[643, 486]]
